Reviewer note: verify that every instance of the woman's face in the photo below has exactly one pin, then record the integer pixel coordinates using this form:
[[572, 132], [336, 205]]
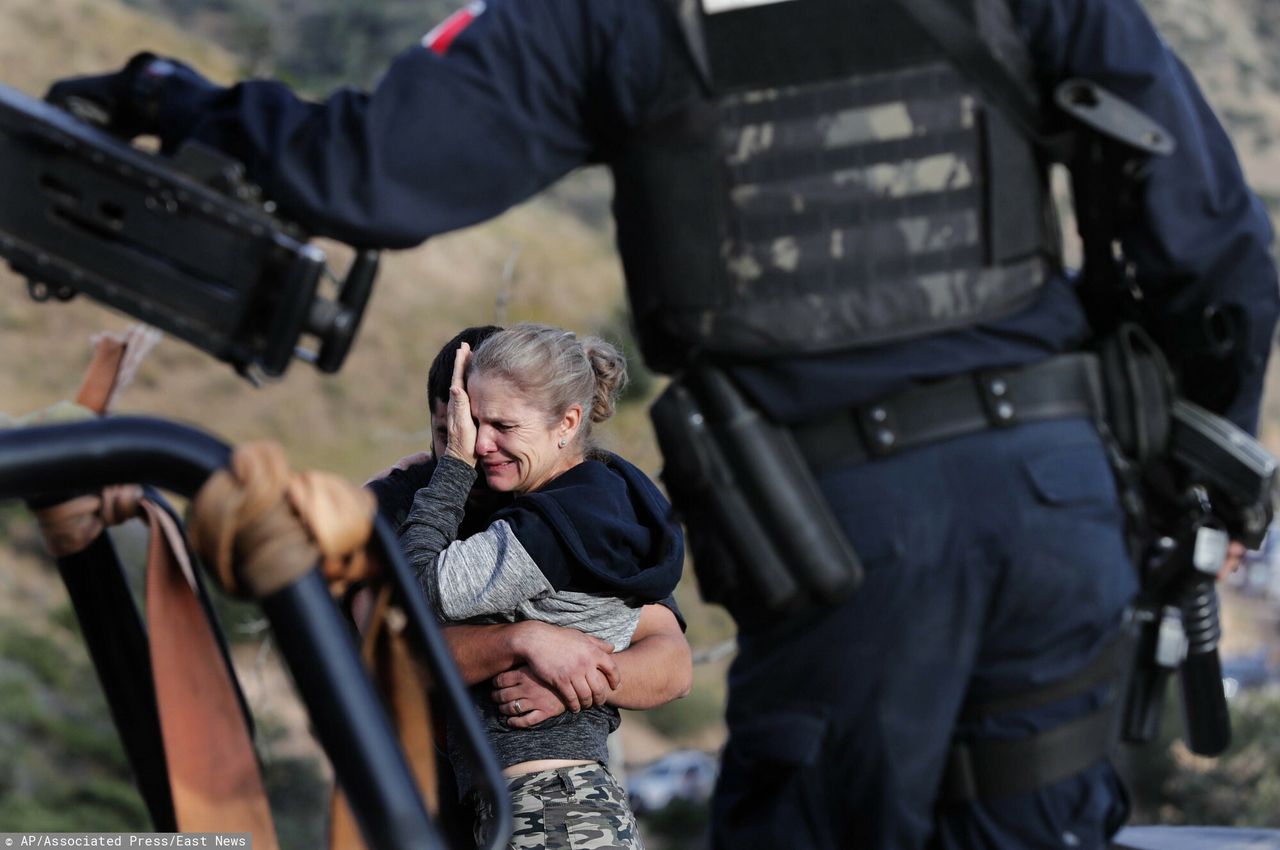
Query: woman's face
[[516, 448]]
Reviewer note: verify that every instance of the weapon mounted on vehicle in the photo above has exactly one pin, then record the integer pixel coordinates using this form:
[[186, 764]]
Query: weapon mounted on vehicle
[[182, 243]]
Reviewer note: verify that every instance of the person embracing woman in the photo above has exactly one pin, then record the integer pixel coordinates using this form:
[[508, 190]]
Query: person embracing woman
[[586, 542]]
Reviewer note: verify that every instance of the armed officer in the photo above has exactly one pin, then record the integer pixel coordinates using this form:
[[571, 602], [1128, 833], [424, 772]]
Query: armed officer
[[815, 199]]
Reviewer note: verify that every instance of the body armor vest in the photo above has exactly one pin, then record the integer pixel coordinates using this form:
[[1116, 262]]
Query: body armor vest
[[840, 187]]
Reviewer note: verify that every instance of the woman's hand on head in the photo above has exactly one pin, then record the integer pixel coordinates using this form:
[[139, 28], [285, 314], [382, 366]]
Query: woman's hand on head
[[461, 441]]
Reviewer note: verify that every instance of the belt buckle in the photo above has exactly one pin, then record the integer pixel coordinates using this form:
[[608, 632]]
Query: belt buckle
[[998, 402]]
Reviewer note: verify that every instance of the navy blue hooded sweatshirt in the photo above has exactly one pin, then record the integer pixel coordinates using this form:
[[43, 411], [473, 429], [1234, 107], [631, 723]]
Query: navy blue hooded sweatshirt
[[601, 527]]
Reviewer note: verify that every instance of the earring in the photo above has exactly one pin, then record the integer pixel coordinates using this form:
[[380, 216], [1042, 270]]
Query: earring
[[563, 443]]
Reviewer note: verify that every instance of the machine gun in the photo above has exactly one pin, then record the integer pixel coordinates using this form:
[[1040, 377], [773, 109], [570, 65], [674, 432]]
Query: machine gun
[[1215, 486], [185, 244], [189, 246]]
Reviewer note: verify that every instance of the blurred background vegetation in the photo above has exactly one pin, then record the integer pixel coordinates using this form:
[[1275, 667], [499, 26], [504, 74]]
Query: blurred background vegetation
[[550, 259]]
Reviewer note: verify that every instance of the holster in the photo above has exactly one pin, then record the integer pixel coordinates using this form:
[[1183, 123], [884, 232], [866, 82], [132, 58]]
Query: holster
[[1171, 445], [1138, 386], [759, 529]]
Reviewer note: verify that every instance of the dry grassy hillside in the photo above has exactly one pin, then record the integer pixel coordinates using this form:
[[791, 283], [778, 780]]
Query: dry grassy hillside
[[1230, 45], [43, 39], [538, 262], [563, 272]]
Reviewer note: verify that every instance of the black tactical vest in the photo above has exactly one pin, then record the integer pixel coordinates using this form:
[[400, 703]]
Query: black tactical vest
[[819, 178]]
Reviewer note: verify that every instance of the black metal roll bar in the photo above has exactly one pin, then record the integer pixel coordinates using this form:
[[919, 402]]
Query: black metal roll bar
[[349, 718]]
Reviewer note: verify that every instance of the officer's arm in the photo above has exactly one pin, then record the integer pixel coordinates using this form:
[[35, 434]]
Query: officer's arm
[[1201, 237], [449, 136]]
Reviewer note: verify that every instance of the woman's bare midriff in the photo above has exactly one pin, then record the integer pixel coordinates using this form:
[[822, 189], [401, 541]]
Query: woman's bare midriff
[[538, 765]]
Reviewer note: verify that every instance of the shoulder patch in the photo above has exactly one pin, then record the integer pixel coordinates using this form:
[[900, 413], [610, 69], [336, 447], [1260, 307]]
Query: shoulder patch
[[443, 34]]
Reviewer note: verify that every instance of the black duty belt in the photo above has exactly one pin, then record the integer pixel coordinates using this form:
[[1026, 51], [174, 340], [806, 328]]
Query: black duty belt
[[1061, 387]]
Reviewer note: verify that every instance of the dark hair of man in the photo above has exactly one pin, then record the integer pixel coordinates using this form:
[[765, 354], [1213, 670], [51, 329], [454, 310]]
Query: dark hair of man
[[440, 375]]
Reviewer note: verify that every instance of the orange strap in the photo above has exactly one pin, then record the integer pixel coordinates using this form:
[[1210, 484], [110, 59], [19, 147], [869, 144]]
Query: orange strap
[[115, 361], [100, 377], [260, 527], [213, 769], [70, 527], [405, 686]]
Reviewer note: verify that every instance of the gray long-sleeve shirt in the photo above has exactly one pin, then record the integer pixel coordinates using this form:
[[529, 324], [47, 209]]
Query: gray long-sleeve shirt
[[489, 577]]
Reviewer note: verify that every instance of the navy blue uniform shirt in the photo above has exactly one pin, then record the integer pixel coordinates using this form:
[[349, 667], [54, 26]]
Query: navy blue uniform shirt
[[516, 93]]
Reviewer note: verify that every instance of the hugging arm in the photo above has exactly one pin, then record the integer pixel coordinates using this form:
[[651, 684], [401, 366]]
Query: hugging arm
[[658, 666], [574, 670], [655, 669]]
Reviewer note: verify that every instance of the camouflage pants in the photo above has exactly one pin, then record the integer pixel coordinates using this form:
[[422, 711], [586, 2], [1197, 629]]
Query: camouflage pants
[[570, 808]]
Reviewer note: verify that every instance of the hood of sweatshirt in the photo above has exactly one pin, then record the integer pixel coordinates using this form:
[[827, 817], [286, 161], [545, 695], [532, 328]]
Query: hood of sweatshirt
[[601, 527]]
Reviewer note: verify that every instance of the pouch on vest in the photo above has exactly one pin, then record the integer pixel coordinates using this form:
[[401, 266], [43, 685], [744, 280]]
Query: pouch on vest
[[748, 497]]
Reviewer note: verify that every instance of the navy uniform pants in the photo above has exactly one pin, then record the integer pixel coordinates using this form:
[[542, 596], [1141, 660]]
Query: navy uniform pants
[[995, 563]]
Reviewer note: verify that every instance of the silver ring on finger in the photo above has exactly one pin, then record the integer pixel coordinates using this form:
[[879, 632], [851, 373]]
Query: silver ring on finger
[[516, 706]]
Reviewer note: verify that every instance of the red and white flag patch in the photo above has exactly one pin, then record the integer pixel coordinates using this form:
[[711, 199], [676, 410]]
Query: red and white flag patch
[[443, 34]]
